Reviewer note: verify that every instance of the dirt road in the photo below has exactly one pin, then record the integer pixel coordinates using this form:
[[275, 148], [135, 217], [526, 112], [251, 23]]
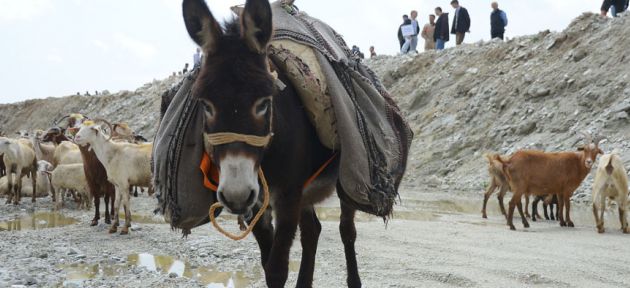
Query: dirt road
[[435, 240]]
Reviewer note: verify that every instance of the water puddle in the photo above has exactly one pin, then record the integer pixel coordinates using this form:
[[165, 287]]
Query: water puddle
[[209, 276], [37, 221]]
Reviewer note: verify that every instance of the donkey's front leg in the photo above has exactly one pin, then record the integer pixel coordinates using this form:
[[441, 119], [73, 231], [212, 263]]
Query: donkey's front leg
[[263, 231], [287, 209], [310, 228]]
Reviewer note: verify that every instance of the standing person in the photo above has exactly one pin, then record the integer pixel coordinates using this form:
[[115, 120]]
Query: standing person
[[427, 34], [440, 35], [616, 6], [185, 69], [197, 59], [401, 39], [498, 21], [406, 31], [372, 52], [416, 28], [461, 22]]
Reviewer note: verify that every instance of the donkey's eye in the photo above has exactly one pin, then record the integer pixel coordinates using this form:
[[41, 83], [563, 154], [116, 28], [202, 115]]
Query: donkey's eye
[[208, 108], [263, 107]]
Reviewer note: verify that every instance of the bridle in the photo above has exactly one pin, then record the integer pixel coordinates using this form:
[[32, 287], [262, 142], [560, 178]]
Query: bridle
[[223, 138]]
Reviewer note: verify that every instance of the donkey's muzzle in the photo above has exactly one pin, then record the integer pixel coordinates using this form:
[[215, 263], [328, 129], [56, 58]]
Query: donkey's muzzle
[[238, 204]]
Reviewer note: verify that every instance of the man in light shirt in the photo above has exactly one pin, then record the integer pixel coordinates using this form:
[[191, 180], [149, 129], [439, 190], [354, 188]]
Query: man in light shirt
[[416, 27]]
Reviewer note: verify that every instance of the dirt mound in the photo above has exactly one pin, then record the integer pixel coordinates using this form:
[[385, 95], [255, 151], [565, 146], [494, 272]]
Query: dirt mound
[[533, 92], [139, 108]]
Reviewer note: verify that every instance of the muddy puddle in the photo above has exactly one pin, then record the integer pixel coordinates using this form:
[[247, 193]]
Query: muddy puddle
[[36, 221], [209, 276]]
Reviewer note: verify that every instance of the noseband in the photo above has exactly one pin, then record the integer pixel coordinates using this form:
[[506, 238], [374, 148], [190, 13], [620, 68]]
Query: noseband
[[229, 137]]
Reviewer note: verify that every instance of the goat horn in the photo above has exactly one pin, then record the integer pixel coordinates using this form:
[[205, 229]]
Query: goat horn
[[587, 137], [61, 119], [599, 138], [111, 129]]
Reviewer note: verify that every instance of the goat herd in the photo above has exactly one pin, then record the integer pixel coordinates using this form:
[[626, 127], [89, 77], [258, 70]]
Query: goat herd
[[94, 165], [553, 177], [90, 166]]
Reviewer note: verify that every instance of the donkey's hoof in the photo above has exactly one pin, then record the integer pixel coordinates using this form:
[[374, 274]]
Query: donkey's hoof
[[124, 231], [108, 221], [626, 230], [113, 229], [526, 225], [512, 227], [570, 224], [600, 229], [562, 224], [94, 222]]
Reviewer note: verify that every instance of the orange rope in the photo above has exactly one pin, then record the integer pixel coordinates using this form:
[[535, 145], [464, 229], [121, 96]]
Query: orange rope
[[260, 213]]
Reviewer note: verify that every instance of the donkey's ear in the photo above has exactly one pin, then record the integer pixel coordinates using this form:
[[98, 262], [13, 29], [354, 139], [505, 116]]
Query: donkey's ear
[[256, 25], [201, 25]]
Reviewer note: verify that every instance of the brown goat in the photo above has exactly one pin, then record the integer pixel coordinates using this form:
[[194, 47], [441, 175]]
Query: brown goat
[[95, 175], [539, 173]]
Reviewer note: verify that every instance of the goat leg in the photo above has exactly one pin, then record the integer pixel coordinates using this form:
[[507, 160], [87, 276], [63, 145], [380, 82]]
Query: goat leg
[[511, 213], [623, 219], [486, 196], [567, 204]]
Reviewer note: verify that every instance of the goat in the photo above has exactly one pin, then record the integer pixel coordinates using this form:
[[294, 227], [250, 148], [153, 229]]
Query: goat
[[611, 181], [539, 173], [548, 201], [126, 164], [43, 151], [498, 181], [95, 175], [66, 153], [71, 177], [19, 159]]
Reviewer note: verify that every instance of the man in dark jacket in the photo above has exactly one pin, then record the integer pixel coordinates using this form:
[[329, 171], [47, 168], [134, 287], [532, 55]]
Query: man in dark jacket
[[440, 35], [498, 21], [461, 22], [401, 38], [617, 6]]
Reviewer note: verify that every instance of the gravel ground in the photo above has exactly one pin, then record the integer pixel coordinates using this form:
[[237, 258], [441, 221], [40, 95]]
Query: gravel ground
[[436, 239]]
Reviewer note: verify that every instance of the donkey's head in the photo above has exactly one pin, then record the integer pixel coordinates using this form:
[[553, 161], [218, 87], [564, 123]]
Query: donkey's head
[[235, 89]]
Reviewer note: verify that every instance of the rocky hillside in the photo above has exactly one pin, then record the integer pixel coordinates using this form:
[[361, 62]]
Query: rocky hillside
[[139, 108], [535, 92]]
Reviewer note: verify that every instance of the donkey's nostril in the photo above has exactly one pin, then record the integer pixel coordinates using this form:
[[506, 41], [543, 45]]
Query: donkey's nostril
[[252, 197]]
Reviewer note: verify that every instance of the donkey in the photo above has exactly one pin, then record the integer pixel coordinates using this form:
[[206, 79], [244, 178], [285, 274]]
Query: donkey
[[238, 95]]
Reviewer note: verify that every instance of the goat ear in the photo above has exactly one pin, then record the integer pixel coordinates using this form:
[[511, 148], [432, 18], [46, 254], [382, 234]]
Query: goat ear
[[201, 25], [600, 151], [580, 148], [256, 25]]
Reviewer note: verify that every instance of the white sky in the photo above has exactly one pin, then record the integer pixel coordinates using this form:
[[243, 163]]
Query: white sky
[[60, 47]]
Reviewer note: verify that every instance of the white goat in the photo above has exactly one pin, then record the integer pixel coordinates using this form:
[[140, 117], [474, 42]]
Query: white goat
[[126, 164], [19, 159], [42, 151], [67, 153], [71, 177], [43, 178], [611, 181]]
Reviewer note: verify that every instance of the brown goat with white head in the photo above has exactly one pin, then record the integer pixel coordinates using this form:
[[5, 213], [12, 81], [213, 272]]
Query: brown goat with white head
[[611, 181], [539, 173]]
